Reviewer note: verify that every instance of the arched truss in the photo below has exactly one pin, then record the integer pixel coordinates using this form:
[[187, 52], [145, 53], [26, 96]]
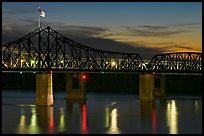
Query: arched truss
[[44, 48], [178, 62]]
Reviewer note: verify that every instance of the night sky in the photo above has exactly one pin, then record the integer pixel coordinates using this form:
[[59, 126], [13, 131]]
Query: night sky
[[147, 28]]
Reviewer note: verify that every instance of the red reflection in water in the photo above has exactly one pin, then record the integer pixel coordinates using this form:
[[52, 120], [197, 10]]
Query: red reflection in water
[[154, 121], [51, 128], [84, 128]]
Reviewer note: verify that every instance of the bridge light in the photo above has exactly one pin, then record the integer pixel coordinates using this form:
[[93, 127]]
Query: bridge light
[[21, 62], [51, 72], [113, 63], [21, 72], [83, 76], [32, 62]]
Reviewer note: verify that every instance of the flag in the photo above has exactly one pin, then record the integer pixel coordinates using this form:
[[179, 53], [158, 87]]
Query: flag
[[42, 13]]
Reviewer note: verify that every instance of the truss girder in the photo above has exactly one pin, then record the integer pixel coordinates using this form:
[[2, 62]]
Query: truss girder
[[180, 61], [46, 48]]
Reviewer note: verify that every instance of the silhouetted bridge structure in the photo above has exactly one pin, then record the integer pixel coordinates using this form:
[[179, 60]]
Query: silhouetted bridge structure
[[46, 50]]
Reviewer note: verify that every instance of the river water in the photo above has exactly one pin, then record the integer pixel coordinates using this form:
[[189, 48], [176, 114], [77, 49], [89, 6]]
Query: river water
[[102, 113]]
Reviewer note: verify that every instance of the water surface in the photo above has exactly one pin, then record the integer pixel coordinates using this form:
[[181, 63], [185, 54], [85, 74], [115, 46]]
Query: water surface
[[101, 114]]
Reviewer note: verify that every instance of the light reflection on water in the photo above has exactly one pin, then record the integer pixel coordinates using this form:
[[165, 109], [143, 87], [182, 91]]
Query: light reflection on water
[[62, 126], [84, 128], [172, 117], [113, 128], [33, 127], [102, 114], [22, 124]]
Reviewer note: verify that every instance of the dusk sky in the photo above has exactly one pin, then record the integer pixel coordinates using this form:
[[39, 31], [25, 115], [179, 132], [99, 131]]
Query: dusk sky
[[146, 28]]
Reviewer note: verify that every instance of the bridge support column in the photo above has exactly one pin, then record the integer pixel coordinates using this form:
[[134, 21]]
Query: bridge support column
[[75, 86], [146, 87], [44, 89], [160, 85]]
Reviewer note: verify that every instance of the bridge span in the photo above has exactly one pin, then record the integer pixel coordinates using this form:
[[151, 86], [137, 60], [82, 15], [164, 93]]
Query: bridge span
[[45, 52]]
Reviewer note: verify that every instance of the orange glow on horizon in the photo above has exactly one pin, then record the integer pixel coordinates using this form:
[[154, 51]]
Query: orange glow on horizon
[[185, 42]]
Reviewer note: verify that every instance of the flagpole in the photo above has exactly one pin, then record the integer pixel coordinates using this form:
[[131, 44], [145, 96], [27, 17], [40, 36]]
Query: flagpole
[[38, 21], [38, 18]]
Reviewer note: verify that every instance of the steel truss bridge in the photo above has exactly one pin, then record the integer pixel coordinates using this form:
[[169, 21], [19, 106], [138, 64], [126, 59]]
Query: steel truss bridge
[[45, 49]]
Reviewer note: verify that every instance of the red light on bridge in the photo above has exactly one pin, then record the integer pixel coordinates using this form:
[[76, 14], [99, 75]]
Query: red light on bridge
[[83, 76], [50, 71]]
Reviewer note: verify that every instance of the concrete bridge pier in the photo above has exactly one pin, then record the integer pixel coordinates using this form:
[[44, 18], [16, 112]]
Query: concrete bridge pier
[[44, 89], [75, 86], [146, 87], [160, 85], [152, 86]]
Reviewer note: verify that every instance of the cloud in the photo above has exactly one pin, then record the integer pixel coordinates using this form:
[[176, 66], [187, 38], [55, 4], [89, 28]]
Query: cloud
[[98, 37], [160, 31], [185, 24], [86, 35], [180, 46], [87, 31], [154, 27], [152, 31], [11, 31], [171, 48], [112, 45]]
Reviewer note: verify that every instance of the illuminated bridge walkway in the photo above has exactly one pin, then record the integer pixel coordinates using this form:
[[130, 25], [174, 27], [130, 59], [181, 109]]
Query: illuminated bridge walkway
[[46, 50]]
